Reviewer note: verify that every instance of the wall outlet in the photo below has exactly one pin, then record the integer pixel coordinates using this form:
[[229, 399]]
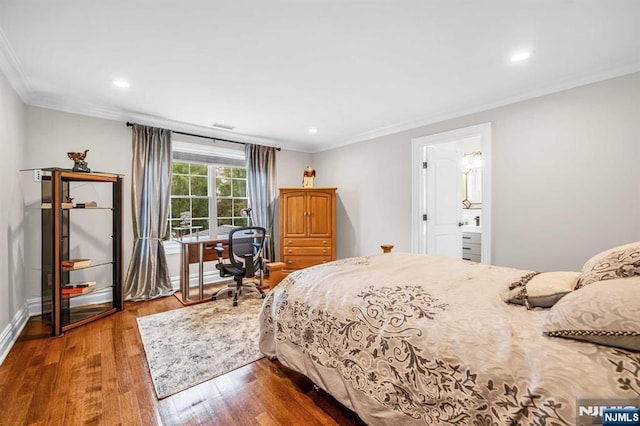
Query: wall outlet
[[37, 175]]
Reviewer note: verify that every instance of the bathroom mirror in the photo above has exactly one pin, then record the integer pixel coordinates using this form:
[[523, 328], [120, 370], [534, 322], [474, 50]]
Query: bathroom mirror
[[472, 188]]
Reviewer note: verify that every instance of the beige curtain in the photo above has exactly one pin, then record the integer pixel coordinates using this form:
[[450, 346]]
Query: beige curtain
[[261, 187], [148, 274]]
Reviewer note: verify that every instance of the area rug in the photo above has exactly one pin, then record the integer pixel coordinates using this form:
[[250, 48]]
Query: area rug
[[188, 346]]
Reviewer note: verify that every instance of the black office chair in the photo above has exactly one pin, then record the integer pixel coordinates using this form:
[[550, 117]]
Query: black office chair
[[245, 260]]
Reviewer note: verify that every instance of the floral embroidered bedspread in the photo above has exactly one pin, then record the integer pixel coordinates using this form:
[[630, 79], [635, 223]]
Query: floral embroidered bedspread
[[418, 339]]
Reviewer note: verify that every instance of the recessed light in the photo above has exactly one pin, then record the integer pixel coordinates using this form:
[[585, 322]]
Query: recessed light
[[520, 56], [120, 84], [313, 130]]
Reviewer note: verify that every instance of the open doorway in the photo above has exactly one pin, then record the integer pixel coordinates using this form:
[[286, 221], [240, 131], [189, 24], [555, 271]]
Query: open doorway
[[451, 207]]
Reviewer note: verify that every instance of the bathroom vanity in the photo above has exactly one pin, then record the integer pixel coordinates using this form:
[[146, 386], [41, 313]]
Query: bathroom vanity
[[472, 243]]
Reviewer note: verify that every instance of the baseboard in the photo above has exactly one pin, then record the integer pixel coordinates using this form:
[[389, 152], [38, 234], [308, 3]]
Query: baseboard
[[12, 331], [33, 307], [35, 304]]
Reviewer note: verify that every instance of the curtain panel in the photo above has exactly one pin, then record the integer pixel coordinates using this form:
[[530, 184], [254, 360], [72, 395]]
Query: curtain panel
[[262, 191], [148, 274]]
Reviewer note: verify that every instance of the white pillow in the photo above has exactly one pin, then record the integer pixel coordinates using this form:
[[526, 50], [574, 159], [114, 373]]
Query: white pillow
[[541, 290]]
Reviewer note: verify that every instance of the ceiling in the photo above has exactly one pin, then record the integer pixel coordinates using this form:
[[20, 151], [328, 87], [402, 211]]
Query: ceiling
[[352, 69]]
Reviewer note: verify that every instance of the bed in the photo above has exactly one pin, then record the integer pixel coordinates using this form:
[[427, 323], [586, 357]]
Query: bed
[[419, 339]]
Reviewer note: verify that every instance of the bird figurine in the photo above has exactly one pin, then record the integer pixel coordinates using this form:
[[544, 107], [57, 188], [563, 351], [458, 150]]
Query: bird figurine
[[79, 165], [307, 177]]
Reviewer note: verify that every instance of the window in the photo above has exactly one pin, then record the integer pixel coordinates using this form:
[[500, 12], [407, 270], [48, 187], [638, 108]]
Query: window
[[190, 198], [231, 195], [208, 192]]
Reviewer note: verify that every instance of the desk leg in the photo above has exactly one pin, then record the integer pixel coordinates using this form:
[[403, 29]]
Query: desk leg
[[201, 271], [184, 272]]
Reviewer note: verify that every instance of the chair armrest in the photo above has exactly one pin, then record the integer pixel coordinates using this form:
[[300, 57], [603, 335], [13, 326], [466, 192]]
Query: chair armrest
[[219, 250]]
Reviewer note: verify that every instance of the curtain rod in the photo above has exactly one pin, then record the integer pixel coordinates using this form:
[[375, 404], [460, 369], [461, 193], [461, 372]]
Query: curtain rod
[[129, 124]]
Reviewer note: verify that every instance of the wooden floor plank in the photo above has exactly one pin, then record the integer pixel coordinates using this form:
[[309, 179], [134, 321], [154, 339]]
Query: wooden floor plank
[[97, 374]]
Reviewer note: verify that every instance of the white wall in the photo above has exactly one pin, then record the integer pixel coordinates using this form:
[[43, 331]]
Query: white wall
[[566, 181], [49, 136], [374, 194], [12, 254]]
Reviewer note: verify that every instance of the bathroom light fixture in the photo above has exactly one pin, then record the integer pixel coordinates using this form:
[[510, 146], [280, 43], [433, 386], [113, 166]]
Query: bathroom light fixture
[[120, 84], [477, 158], [520, 56], [472, 158], [313, 130]]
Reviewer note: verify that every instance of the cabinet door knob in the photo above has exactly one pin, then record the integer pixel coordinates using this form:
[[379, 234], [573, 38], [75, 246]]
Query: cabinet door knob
[[289, 251], [324, 251], [290, 262], [324, 242], [289, 242]]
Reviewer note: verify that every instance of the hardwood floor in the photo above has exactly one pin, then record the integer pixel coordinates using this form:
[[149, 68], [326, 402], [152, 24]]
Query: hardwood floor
[[97, 375]]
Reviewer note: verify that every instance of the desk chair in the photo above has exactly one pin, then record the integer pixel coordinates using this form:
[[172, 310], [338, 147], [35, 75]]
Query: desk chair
[[245, 250]]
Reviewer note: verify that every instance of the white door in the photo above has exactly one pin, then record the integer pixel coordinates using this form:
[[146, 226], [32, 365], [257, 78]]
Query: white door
[[419, 189], [444, 202]]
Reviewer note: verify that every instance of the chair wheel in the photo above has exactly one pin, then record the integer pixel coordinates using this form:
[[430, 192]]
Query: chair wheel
[[235, 303], [264, 295], [213, 298]]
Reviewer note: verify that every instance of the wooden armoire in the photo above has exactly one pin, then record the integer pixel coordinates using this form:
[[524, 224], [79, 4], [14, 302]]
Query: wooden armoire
[[307, 226]]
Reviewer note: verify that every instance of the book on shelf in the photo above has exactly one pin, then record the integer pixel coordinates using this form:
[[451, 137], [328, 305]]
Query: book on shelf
[[78, 290], [76, 263], [87, 205], [64, 205], [84, 284]]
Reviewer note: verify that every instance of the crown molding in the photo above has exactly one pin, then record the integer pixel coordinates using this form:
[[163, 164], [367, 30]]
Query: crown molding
[[10, 67], [117, 114], [472, 109]]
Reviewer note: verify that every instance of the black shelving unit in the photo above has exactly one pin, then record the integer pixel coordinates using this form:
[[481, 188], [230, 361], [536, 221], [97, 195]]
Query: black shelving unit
[[59, 240]]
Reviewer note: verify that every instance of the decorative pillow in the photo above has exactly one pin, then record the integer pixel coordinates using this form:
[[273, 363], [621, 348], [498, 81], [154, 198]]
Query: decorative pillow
[[618, 262], [541, 290], [607, 313]]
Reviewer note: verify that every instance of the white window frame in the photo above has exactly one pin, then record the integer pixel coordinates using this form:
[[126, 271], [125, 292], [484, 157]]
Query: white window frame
[[171, 246]]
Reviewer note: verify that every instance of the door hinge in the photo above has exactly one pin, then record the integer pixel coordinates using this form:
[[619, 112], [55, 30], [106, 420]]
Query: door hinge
[[424, 164], [424, 217]]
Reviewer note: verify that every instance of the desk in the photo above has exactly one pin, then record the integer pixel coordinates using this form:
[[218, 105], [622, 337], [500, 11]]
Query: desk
[[198, 251]]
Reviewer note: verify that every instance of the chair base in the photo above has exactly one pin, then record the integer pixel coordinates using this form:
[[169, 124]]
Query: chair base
[[236, 288]]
